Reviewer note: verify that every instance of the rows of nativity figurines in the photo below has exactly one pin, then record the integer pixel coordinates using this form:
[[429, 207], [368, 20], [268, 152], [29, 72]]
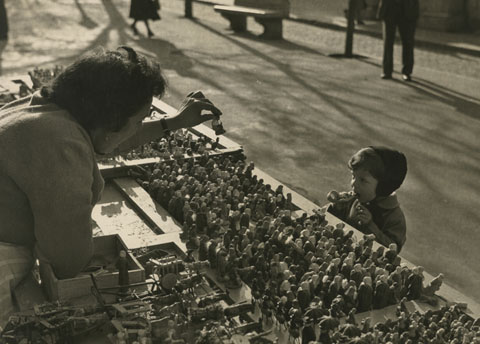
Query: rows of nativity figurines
[[447, 325], [294, 265], [176, 145]]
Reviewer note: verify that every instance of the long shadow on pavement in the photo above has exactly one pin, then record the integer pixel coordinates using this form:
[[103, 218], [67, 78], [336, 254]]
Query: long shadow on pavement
[[153, 47], [462, 103], [116, 22], [331, 100], [86, 20], [465, 104]]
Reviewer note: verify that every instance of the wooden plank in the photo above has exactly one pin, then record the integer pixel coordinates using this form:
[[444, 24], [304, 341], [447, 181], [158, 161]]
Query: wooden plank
[[148, 208], [147, 241], [118, 167], [201, 128], [164, 107], [250, 11]]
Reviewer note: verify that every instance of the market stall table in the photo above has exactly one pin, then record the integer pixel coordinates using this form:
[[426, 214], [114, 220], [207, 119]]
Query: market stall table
[[128, 210]]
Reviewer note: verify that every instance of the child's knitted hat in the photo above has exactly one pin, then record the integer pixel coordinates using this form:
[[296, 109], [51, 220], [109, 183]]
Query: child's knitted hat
[[395, 164]]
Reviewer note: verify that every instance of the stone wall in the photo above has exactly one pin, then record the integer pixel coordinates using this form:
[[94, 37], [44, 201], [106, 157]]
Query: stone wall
[[371, 10], [473, 14], [444, 15], [440, 15]]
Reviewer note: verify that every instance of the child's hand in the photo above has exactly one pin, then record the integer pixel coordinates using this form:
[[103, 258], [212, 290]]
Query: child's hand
[[335, 196], [359, 214]]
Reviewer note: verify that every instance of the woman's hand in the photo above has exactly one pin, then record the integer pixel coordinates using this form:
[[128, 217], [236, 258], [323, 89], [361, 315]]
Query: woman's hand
[[190, 112]]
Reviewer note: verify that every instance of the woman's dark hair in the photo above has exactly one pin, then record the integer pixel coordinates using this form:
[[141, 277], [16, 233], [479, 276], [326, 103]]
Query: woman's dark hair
[[104, 88]]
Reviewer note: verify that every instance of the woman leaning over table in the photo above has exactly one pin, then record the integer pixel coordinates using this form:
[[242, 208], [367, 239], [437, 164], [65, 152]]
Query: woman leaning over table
[[49, 178]]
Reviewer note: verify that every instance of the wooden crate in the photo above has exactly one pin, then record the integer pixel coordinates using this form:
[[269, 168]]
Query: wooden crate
[[80, 286]]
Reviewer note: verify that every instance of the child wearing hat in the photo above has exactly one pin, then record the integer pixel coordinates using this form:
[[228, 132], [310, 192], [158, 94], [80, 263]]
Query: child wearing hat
[[372, 206]]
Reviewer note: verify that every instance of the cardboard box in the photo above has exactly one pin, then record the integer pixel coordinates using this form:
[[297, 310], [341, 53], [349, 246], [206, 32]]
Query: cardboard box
[[81, 285]]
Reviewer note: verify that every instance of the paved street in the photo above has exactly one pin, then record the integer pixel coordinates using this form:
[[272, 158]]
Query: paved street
[[301, 113]]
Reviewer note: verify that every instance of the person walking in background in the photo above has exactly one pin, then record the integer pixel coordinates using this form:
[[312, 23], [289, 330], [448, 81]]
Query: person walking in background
[[404, 15], [144, 10], [3, 21]]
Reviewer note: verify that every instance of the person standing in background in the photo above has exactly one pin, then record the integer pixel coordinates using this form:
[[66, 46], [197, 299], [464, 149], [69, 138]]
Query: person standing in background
[[3, 21], [404, 15], [144, 10], [358, 7]]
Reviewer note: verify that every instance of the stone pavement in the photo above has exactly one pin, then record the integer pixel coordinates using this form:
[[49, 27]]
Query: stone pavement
[[298, 112]]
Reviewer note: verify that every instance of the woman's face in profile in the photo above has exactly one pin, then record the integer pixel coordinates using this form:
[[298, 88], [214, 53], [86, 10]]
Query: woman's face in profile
[[105, 142]]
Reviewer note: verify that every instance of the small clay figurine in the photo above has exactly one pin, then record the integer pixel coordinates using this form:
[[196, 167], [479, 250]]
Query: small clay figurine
[[415, 283], [357, 274], [122, 266], [201, 219], [212, 254], [350, 297], [433, 286], [221, 264], [391, 253], [380, 293], [203, 249], [365, 295], [217, 125], [308, 332], [245, 218], [303, 296], [428, 293]]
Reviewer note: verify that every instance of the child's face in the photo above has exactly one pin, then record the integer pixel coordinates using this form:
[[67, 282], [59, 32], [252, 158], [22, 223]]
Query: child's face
[[364, 185]]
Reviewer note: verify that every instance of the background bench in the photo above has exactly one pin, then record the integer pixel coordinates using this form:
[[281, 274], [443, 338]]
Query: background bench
[[269, 18]]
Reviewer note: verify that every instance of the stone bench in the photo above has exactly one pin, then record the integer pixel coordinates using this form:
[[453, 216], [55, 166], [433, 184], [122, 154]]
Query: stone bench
[[271, 20]]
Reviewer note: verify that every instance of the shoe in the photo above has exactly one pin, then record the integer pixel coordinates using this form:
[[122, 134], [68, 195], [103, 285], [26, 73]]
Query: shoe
[[406, 77], [150, 34], [134, 29], [386, 76]]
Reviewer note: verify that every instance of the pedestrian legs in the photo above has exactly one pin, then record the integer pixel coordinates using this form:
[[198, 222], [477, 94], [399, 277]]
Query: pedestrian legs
[[3, 21], [407, 34], [134, 27], [389, 28], [149, 32]]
